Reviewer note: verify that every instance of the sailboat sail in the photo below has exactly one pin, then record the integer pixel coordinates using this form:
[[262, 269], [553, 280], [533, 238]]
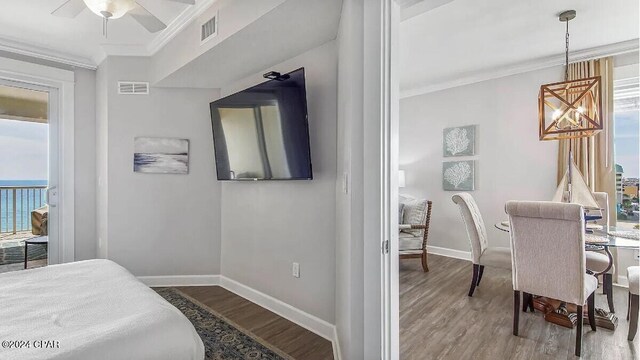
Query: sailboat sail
[[580, 192]]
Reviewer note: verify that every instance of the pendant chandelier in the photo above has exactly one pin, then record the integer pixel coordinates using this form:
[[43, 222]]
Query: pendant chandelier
[[572, 108]]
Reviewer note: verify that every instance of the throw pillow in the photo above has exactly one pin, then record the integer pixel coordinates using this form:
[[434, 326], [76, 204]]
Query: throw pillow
[[415, 213]]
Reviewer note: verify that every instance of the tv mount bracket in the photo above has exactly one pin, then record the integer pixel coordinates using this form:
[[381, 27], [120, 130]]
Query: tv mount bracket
[[274, 75]]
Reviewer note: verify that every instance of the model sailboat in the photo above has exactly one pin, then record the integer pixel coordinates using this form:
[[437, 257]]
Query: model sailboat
[[573, 189]]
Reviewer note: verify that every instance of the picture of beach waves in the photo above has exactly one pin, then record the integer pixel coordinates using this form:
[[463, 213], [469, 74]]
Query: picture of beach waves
[[161, 155]]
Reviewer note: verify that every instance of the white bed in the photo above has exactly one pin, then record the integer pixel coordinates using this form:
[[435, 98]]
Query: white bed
[[93, 309]]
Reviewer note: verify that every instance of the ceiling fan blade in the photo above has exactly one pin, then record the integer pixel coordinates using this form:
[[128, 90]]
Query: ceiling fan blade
[[146, 19], [69, 9], [190, 2]]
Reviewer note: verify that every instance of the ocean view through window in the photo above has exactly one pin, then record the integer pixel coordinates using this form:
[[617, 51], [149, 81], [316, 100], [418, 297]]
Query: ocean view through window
[[23, 172], [23, 184]]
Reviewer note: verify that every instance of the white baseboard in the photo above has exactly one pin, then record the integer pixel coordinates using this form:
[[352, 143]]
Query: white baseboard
[[295, 315], [457, 254], [336, 345], [307, 321], [180, 280], [466, 255], [622, 282]]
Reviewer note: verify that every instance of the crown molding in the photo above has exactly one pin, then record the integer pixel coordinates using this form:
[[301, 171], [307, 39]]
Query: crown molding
[[413, 8], [177, 25], [173, 28], [123, 50], [522, 67], [38, 52], [186, 17]]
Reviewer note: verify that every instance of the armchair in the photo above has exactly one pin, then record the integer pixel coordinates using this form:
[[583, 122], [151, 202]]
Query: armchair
[[414, 230]]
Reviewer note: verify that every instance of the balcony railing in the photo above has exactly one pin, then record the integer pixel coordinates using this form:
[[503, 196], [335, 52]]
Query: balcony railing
[[16, 204]]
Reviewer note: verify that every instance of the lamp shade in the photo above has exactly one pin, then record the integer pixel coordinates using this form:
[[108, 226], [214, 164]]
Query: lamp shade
[[111, 9], [401, 179]]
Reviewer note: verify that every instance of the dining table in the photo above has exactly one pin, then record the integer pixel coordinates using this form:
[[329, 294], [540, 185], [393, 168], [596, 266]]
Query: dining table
[[597, 238]]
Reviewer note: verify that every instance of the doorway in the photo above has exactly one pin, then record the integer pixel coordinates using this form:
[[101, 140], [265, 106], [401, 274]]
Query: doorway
[[28, 151]]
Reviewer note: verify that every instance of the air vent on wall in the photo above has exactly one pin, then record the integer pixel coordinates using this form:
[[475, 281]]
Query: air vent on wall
[[209, 29], [133, 88]]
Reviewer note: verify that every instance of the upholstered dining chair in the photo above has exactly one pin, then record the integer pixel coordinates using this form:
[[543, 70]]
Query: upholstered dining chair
[[598, 261], [633, 275], [482, 254], [547, 242]]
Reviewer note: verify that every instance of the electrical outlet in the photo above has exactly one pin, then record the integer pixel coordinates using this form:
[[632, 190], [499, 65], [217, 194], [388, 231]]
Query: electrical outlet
[[295, 270]]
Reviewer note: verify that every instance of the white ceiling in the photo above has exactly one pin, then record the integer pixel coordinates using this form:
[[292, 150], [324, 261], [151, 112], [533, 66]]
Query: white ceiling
[[310, 23], [464, 37], [29, 24]]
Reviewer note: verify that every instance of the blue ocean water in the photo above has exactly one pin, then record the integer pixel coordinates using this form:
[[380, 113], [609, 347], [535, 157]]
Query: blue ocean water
[[161, 163], [27, 199]]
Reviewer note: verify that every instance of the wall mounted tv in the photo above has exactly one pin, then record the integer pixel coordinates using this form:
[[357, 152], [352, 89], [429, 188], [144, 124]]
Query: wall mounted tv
[[262, 133]]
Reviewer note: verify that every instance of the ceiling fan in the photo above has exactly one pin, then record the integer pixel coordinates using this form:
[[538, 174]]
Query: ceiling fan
[[114, 9]]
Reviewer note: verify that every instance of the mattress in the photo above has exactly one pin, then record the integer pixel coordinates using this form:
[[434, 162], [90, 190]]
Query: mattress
[[92, 309]]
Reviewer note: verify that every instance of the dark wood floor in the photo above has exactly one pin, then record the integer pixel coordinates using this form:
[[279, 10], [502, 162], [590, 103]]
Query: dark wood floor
[[439, 321], [280, 333]]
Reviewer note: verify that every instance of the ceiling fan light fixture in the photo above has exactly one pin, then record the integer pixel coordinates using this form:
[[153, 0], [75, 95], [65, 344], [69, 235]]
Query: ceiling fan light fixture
[[110, 9]]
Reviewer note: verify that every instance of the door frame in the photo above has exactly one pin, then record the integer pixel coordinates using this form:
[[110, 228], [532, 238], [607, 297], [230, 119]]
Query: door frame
[[61, 82], [389, 164], [391, 159], [380, 159]]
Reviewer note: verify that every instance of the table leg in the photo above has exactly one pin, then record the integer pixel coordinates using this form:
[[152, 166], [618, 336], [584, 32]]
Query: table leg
[[26, 246]]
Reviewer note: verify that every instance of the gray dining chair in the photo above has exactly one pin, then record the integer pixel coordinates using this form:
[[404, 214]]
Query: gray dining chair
[[598, 261], [482, 254], [547, 242], [633, 275]]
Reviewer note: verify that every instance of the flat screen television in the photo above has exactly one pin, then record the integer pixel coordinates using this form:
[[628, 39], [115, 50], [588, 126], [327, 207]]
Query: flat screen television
[[262, 133]]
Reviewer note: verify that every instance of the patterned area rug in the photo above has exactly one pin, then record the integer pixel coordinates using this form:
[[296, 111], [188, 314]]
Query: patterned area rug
[[222, 340], [14, 253]]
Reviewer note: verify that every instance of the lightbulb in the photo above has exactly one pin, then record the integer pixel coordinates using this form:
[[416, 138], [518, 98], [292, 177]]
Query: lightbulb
[[556, 114], [581, 110], [111, 9]]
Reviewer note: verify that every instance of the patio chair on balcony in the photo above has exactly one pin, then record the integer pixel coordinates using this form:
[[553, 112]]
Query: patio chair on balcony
[[39, 219]]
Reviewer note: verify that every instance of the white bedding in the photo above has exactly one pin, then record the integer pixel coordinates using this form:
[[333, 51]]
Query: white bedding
[[91, 309]]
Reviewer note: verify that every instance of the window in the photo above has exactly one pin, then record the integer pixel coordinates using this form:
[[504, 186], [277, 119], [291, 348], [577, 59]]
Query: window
[[627, 149]]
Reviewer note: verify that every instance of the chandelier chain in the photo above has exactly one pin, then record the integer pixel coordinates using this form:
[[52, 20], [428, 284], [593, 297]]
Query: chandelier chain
[[566, 54]]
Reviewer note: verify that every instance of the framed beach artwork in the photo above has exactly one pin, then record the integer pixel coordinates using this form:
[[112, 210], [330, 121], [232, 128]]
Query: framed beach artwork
[[459, 141], [458, 175], [161, 155]]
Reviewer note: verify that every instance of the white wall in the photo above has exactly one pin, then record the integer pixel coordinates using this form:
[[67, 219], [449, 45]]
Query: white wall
[[186, 46], [158, 224], [511, 163], [85, 164], [102, 156], [266, 226], [349, 211]]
